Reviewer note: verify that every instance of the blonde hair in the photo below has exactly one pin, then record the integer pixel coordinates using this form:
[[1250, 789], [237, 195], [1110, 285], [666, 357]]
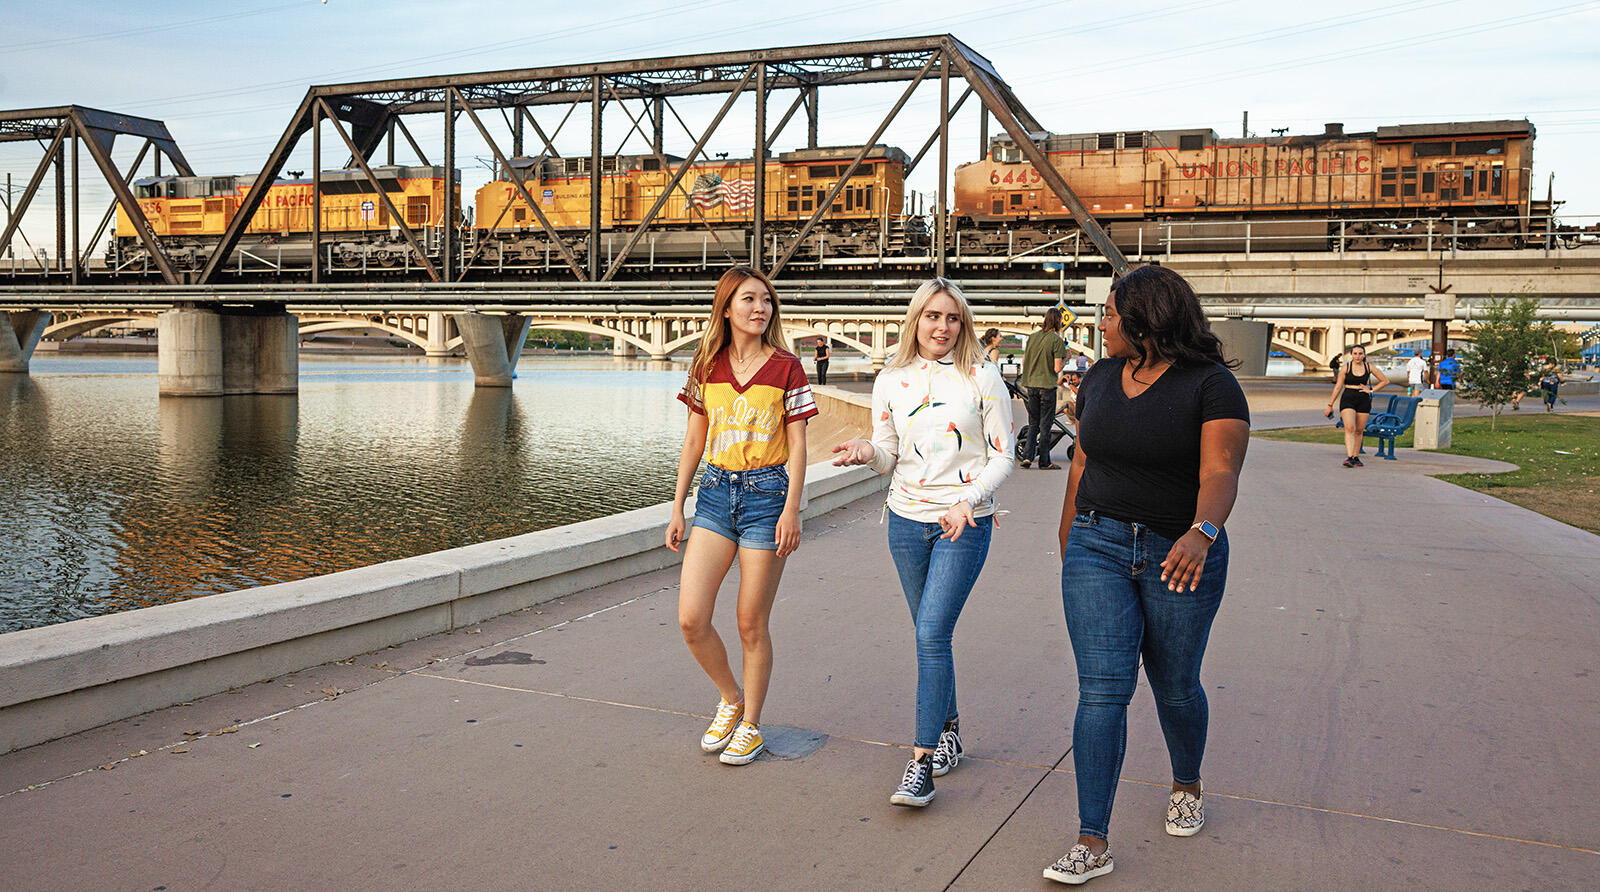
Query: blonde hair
[[964, 354], [716, 335]]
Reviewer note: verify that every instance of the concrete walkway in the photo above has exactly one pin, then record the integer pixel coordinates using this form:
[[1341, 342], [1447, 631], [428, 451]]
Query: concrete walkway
[[1386, 713]]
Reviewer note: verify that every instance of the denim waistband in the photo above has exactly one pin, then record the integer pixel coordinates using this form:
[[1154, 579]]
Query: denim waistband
[[1100, 518], [717, 476]]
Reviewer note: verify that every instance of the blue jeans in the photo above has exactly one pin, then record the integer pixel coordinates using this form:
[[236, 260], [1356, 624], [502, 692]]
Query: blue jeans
[[937, 576], [1118, 609]]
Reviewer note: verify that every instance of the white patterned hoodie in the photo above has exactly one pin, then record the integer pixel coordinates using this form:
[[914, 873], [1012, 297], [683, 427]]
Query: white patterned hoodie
[[947, 437]]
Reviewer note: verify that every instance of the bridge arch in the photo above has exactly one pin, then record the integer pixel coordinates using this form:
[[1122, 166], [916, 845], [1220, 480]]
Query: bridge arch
[[318, 325], [1306, 357], [801, 331], [586, 328], [82, 325]]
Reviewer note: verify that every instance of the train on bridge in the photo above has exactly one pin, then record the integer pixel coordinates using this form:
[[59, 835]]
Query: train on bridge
[[1463, 184]]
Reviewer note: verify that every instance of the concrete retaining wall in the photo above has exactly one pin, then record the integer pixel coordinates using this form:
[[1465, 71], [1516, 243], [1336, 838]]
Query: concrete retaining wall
[[65, 678], [850, 409]]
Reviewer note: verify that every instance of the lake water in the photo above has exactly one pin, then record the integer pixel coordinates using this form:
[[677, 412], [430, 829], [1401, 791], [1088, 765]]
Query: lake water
[[115, 498]]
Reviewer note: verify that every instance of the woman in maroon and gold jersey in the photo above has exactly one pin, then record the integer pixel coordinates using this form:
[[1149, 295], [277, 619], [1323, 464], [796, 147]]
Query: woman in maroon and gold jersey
[[748, 402]]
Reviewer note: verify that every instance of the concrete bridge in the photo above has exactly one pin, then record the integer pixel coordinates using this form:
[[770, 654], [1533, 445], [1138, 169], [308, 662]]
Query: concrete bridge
[[241, 339]]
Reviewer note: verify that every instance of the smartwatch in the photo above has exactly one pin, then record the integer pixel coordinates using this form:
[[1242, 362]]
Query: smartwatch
[[1207, 529]]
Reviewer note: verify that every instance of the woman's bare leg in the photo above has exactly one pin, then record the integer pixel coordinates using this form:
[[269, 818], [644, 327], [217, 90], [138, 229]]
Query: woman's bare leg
[[759, 572], [1352, 431], [706, 559]]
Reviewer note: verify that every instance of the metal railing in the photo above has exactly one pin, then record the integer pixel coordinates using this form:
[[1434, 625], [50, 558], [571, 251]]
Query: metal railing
[[1434, 236]]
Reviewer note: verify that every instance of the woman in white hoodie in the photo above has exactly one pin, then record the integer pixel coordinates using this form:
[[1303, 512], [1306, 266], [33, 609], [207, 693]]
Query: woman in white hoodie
[[942, 424]]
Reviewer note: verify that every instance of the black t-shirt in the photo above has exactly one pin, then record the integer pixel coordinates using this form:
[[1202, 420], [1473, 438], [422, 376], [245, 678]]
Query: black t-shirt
[[1143, 454]]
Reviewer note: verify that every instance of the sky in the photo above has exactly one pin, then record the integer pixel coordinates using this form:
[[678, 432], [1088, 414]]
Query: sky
[[227, 76]]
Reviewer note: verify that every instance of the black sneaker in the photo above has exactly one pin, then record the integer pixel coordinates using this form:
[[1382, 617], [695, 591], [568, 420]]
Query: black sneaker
[[916, 787], [948, 754], [1350, 462], [1357, 461]]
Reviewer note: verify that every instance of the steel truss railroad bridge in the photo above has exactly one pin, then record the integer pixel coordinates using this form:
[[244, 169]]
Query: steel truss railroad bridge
[[222, 330]]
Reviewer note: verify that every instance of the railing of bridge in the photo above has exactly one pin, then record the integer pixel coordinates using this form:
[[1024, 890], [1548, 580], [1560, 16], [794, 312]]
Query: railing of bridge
[[1446, 236], [1434, 236]]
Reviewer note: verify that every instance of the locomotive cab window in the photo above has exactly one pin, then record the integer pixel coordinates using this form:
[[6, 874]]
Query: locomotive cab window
[[1481, 147]]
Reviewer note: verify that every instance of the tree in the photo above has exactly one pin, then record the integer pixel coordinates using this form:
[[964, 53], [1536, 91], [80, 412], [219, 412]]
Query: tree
[[1499, 363]]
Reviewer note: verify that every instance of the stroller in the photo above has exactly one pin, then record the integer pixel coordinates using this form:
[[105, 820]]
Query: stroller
[[1058, 427], [1058, 431]]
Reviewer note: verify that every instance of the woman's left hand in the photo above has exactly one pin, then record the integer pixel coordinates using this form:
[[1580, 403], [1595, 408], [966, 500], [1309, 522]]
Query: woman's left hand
[[1181, 569], [788, 532], [956, 520]]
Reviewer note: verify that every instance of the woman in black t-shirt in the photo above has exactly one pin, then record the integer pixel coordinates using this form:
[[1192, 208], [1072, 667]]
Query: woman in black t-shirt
[[824, 353], [1162, 431]]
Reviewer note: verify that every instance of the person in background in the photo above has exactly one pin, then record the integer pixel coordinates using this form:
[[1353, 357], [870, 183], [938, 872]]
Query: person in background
[[1071, 382], [1352, 393], [1416, 370], [1163, 429], [1449, 370], [748, 404], [824, 353], [942, 424], [1042, 362], [1550, 385], [991, 346]]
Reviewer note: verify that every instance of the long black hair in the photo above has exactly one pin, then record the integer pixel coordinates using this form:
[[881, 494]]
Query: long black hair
[[1157, 305]]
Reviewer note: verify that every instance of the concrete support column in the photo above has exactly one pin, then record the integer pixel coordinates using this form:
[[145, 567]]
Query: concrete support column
[[202, 352], [880, 353], [1245, 340], [189, 353], [621, 348], [494, 344], [260, 352], [19, 335], [438, 335], [1333, 343], [658, 339]]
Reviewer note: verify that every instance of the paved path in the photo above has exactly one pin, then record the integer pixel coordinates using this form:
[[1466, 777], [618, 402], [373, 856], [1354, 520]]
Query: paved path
[[1386, 713]]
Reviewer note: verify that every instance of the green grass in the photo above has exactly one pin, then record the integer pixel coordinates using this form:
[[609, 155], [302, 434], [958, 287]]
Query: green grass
[[1563, 486]]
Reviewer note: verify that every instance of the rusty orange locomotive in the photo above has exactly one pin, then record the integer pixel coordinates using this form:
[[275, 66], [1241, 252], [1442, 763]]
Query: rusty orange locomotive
[[1469, 180]]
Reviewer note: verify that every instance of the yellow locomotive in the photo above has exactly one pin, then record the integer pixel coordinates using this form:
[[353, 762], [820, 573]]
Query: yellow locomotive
[[1465, 179], [189, 215], [708, 213]]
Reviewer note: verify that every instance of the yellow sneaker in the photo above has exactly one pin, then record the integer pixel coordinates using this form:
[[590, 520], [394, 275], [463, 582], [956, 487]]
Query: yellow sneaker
[[722, 727], [746, 745]]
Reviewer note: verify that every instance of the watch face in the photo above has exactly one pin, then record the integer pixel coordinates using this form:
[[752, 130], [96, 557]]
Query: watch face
[[1209, 529]]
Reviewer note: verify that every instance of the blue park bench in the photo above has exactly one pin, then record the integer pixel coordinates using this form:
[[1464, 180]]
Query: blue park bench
[[1393, 421]]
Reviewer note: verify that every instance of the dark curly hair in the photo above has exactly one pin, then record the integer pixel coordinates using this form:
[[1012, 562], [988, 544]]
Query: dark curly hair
[[1157, 305]]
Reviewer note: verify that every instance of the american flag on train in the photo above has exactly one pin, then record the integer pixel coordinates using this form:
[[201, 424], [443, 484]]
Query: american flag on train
[[711, 190]]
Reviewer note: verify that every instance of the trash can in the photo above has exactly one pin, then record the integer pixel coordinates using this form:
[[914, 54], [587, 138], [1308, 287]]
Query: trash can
[[1434, 417]]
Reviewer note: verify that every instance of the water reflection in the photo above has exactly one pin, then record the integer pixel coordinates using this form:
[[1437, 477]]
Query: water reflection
[[124, 499]]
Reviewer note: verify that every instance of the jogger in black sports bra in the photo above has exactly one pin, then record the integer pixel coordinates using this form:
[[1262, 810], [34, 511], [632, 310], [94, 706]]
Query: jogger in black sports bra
[[1352, 393]]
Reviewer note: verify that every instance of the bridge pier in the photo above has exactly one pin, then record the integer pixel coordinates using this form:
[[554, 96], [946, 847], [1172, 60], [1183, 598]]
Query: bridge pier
[[621, 348], [494, 344], [438, 335], [19, 335], [205, 352], [880, 354]]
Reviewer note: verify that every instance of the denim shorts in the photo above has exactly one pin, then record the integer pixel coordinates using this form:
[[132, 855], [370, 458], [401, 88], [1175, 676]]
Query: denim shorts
[[743, 506]]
